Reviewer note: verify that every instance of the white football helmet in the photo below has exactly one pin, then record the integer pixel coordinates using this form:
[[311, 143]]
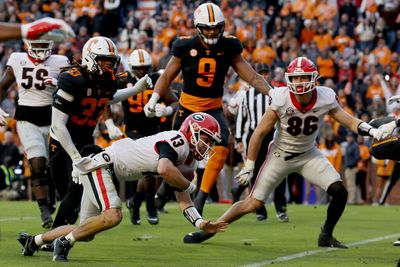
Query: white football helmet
[[39, 50], [97, 47], [209, 15], [140, 58]]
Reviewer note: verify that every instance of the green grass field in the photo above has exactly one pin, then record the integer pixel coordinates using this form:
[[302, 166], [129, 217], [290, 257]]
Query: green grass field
[[369, 231]]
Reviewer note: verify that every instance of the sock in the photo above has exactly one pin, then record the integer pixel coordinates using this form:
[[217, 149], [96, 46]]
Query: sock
[[39, 240], [70, 238]]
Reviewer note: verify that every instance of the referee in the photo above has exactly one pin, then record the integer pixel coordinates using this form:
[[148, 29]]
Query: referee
[[252, 106]]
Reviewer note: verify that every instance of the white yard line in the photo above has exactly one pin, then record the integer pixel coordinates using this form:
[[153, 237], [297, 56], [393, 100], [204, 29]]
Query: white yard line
[[317, 251], [17, 219]]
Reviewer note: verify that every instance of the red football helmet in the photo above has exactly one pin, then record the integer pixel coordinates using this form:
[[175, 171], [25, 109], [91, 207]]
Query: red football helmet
[[198, 124], [301, 66]]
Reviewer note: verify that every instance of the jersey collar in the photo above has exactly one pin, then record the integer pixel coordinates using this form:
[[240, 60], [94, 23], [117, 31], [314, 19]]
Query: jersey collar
[[309, 106]]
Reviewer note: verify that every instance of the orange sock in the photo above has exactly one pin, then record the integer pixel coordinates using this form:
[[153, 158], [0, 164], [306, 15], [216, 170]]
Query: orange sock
[[213, 168]]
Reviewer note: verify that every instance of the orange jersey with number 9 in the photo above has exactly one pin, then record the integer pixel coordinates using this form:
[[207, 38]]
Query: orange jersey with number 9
[[204, 70]]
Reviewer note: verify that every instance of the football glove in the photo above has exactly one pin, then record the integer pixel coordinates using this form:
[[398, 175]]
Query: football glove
[[50, 82], [47, 28], [113, 131], [150, 107], [162, 110], [385, 130], [3, 117], [75, 175], [245, 175], [395, 98]]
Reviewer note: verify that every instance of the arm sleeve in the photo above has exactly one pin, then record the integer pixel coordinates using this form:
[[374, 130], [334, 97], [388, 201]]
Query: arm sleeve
[[166, 151]]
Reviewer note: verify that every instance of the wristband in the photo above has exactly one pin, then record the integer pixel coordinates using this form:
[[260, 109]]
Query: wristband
[[154, 97], [249, 165], [109, 123], [169, 110], [364, 128], [192, 215]]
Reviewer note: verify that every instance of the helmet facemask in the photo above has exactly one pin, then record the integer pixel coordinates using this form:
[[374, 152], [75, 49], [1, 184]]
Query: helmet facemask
[[211, 41], [39, 50], [300, 88], [197, 143]]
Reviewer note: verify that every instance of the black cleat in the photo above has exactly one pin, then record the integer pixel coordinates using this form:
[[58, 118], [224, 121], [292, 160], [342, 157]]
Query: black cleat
[[197, 237], [152, 218], [327, 240], [135, 215], [28, 244], [396, 243], [282, 217], [45, 214], [261, 217], [61, 249]]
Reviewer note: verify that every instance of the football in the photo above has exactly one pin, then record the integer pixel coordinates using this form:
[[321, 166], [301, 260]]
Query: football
[[186, 170]]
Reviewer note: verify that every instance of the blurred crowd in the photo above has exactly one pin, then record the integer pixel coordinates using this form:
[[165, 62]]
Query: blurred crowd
[[354, 43]]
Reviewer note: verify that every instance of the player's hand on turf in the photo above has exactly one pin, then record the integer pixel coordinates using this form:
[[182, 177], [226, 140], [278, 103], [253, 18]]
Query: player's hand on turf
[[213, 227], [3, 117], [47, 28]]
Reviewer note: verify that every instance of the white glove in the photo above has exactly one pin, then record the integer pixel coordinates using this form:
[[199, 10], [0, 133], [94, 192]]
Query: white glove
[[113, 131], [50, 82], [162, 110], [383, 131], [3, 117], [89, 164], [143, 83], [246, 173], [47, 28], [150, 107], [395, 98], [75, 174]]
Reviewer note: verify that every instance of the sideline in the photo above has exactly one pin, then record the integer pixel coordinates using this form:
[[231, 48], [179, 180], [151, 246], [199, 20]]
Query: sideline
[[317, 251]]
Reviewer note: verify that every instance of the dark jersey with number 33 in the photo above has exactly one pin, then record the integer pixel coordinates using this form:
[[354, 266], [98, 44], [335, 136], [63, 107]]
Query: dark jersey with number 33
[[90, 99], [204, 69]]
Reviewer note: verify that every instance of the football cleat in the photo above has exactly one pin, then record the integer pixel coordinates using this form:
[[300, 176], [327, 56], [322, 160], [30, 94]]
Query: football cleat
[[197, 237], [152, 218], [261, 217], [396, 243], [327, 240], [61, 249], [135, 215], [282, 217], [28, 244], [45, 215]]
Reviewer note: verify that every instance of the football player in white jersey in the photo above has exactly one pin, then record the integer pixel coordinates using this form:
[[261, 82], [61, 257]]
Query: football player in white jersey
[[129, 159], [35, 73], [297, 110]]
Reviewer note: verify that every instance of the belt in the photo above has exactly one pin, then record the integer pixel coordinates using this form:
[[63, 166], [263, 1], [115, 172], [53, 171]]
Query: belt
[[292, 155]]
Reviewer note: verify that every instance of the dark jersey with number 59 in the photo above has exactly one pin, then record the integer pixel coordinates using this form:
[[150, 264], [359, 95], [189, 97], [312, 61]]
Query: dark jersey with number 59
[[204, 70], [90, 99]]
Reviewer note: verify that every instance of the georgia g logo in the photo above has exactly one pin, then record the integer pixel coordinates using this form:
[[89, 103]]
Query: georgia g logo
[[198, 117]]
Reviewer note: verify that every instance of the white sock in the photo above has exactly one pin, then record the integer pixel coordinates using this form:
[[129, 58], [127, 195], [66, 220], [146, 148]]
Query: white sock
[[70, 238], [39, 240]]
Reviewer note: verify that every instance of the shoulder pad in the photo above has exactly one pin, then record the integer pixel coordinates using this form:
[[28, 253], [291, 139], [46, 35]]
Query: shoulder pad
[[327, 95], [278, 96]]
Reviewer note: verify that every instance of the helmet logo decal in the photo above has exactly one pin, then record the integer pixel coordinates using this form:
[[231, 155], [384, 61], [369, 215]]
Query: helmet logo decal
[[198, 117], [92, 41], [141, 56], [193, 52], [110, 47]]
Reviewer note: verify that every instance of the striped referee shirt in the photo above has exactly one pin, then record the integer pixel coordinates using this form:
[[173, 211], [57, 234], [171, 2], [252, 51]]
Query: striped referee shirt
[[252, 106]]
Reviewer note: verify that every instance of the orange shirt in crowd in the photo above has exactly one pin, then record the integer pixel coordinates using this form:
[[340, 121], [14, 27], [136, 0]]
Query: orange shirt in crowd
[[306, 35], [383, 55], [326, 67], [334, 155], [323, 41], [264, 55], [341, 42], [375, 89], [325, 12]]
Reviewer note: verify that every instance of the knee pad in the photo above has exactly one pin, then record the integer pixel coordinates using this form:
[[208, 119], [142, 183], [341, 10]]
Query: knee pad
[[337, 191], [39, 179]]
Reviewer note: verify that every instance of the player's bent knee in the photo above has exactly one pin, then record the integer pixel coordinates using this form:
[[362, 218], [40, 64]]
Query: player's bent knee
[[39, 179], [112, 217], [337, 190]]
